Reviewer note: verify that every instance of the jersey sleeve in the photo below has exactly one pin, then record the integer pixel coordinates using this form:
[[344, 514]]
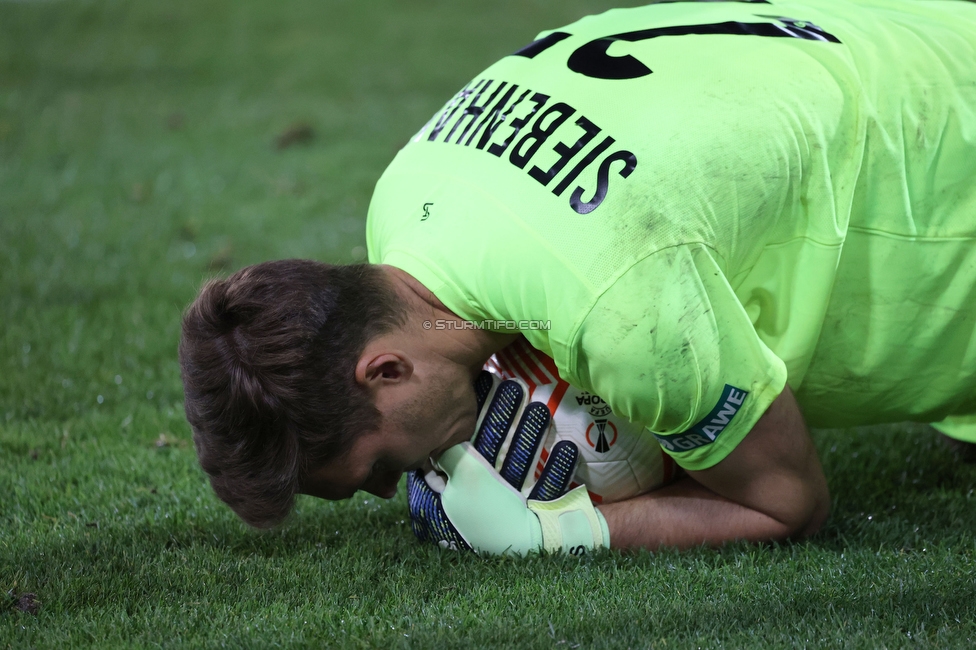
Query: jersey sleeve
[[670, 346]]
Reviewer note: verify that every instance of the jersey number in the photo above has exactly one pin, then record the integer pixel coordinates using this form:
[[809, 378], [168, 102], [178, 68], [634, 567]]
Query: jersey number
[[592, 59]]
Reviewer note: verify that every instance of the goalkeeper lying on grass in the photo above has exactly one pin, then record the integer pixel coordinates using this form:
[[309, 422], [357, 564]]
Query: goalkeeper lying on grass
[[716, 215]]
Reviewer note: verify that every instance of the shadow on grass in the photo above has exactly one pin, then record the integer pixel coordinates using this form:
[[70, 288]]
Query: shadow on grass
[[895, 485]]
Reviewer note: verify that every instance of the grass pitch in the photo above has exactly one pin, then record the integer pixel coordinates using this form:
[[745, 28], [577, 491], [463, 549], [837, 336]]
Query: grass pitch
[[147, 146]]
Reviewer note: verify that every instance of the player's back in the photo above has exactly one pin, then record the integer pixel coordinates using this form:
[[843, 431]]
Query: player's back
[[897, 328], [792, 141]]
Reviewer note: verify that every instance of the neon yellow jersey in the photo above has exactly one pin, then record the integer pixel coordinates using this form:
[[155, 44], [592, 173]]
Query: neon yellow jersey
[[703, 201]]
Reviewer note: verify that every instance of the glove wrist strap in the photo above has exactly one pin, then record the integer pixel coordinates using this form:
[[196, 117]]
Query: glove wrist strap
[[571, 524]]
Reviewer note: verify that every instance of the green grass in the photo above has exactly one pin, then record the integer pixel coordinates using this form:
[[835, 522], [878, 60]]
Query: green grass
[[136, 159]]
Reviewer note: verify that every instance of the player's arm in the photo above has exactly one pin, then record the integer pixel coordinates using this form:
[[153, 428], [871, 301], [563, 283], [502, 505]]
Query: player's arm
[[671, 346], [770, 487]]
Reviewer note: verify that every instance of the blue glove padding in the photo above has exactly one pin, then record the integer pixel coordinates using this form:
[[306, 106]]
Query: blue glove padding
[[520, 443], [427, 517]]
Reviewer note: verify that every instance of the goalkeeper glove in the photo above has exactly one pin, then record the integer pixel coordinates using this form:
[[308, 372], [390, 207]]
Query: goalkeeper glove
[[480, 505]]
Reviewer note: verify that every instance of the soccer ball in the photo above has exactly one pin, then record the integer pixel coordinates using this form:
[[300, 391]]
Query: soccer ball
[[618, 459]]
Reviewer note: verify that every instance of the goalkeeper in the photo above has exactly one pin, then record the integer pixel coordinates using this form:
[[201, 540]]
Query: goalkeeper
[[734, 219]]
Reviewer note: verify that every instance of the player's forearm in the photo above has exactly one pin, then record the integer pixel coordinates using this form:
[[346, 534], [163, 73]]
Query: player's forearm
[[770, 487], [684, 515]]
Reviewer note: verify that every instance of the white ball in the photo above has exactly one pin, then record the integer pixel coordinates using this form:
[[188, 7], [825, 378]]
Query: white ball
[[618, 459]]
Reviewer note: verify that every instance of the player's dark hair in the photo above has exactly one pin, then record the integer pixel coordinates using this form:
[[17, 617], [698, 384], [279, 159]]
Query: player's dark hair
[[268, 359]]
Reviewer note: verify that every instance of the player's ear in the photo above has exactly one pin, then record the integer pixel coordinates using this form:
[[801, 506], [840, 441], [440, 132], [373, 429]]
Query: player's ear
[[380, 368]]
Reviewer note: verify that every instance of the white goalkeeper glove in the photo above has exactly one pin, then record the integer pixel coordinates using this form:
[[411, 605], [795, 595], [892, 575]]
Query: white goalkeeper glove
[[476, 501]]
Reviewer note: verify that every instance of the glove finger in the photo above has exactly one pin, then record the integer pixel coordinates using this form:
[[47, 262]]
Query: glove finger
[[558, 472], [420, 497], [482, 387], [529, 434], [498, 420], [428, 520]]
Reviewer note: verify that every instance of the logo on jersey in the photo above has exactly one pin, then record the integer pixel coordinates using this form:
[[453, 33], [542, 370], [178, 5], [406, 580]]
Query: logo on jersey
[[605, 435], [707, 430]]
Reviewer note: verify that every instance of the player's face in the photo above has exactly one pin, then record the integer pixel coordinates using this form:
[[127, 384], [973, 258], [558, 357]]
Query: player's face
[[442, 415]]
